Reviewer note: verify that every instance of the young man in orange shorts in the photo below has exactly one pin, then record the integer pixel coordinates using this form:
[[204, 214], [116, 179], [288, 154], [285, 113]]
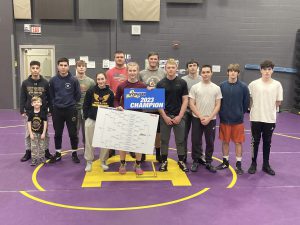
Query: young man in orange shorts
[[234, 104]]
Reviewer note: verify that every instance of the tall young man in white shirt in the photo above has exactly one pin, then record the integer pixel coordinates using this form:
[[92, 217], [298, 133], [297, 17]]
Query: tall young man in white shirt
[[266, 94]]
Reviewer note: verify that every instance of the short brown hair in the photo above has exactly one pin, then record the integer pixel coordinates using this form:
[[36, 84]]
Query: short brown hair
[[233, 67], [267, 64], [80, 63]]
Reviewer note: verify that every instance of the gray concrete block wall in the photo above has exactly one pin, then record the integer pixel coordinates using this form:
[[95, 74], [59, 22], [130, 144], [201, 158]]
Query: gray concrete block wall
[[216, 32]]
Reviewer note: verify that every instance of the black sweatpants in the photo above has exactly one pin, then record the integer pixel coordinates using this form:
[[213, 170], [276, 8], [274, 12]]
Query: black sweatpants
[[264, 130], [197, 132], [59, 117]]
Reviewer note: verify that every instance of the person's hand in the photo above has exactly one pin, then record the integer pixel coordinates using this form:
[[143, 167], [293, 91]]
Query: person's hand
[[168, 120], [205, 120], [31, 137], [176, 119], [23, 114], [43, 136]]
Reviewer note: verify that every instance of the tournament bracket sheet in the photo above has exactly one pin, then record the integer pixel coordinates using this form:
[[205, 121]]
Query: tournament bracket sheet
[[125, 130]]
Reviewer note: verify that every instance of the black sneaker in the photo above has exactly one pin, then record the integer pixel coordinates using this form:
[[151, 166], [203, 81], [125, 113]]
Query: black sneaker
[[202, 162], [268, 170], [223, 165], [158, 156], [194, 167], [238, 169], [210, 168], [75, 157], [132, 154], [27, 156], [47, 154], [252, 169], [164, 166], [182, 166]]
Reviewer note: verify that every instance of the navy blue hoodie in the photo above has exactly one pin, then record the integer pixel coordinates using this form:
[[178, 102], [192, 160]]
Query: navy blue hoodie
[[64, 91], [235, 102]]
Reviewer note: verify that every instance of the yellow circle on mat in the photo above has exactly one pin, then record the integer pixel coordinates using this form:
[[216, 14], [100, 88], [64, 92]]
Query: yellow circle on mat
[[87, 208]]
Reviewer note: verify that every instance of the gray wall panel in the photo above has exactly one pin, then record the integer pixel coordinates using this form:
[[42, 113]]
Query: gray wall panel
[[54, 9], [6, 27], [98, 9]]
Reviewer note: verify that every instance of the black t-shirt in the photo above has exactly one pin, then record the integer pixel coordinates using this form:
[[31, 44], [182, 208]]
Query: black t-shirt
[[37, 121], [174, 91]]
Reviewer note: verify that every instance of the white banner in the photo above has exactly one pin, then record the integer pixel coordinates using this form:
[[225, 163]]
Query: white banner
[[125, 130]]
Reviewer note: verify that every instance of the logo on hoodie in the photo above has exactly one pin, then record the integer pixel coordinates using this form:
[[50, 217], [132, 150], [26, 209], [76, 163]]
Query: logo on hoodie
[[67, 85]]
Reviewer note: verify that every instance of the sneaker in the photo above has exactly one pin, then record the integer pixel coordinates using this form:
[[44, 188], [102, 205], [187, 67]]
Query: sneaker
[[194, 167], [47, 154], [122, 168], [75, 157], [223, 165], [252, 169], [184, 158], [210, 168], [104, 166], [182, 166], [56, 157], [163, 166], [27, 156], [138, 169], [88, 167], [202, 162], [238, 169], [268, 170]]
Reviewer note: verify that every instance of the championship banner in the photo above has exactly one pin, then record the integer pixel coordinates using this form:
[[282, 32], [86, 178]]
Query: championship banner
[[142, 98]]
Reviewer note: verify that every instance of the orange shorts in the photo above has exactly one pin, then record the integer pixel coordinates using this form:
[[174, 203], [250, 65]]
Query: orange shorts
[[234, 132]]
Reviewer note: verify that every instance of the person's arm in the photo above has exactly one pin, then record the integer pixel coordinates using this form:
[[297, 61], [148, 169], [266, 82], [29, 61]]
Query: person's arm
[[77, 92], [23, 99], [184, 105], [246, 99], [48, 100], [117, 99], [29, 130], [87, 103], [193, 107], [51, 93], [44, 129], [207, 119]]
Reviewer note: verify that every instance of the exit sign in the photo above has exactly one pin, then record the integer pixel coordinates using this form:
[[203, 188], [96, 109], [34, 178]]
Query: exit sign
[[35, 29]]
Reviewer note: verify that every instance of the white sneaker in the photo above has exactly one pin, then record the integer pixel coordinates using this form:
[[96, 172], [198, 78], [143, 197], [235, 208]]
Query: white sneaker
[[104, 166], [88, 167]]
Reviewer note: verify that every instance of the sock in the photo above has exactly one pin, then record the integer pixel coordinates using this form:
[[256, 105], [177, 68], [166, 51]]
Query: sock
[[226, 157], [58, 150], [238, 159], [122, 161], [74, 150]]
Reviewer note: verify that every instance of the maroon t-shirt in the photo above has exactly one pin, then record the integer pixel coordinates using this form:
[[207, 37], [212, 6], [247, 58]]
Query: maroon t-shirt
[[119, 97]]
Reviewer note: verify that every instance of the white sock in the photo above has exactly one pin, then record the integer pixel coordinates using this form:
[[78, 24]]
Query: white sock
[[226, 157], [58, 150], [239, 159]]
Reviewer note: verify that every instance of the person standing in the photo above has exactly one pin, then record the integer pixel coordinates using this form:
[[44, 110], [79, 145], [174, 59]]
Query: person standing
[[37, 127], [99, 95], [266, 95], [205, 100], [176, 101], [65, 93], [234, 105], [191, 78], [117, 74], [34, 85], [151, 76], [85, 84], [132, 82]]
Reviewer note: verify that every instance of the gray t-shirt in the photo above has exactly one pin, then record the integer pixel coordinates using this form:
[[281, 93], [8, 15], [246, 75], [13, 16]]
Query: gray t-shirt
[[152, 77], [190, 82]]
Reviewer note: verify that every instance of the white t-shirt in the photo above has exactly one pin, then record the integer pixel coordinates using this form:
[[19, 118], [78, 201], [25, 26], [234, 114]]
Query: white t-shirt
[[205, 96], [264, 96]]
